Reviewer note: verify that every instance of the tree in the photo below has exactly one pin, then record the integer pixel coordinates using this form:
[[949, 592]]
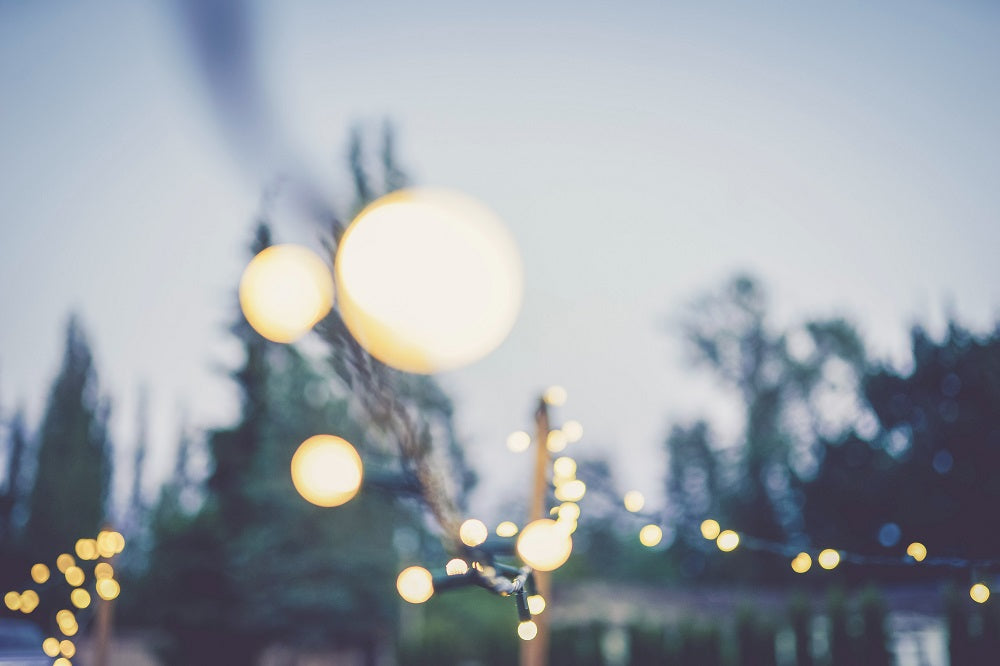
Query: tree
[[13, 491], [69, 497]]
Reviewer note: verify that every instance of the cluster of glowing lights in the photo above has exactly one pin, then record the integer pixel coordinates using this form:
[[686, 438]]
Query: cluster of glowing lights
[[506, 529], [979, 593], [917, 551], [473, 532], [634, 501], [285, 291], [428, 280], [650, 535], [801, 563], [26, 601], [545, 544], [64, 649], [327, 471], [415, 584]]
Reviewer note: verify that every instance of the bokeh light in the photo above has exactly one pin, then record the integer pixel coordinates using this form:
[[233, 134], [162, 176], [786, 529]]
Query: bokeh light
[[50, 646], [12, 600], [62, 661], [415, 584], [285, 290], [828, 558], [571, 491], [86, 549], [327, 470], [74, 576], [456, 567], [473, 532], [506, 529], [64, 561], [103, 570], [801, 563], [555, 395], [917, 551], [29, 601], [107, 588], [568, 511], [536, 604], [518, 441], [650, 535], [634, 501], [428, 280], [727, 541], [80, 597], [39, 573], [979, 593], [544, 544], [710, 529], [527, 630], [573, 430], [67, 649], [556, 441], [564, 467]]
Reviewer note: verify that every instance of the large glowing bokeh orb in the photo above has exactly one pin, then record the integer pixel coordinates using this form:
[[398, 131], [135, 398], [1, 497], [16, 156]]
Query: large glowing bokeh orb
[[285, 290], [544, 545], [428, 280], [327, 470]]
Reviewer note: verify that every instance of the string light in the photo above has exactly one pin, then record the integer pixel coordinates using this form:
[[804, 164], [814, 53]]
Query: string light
[[536, 604], [473, 532], [979, 593], [518, 441], [415, 585], [917, 551], [828, 558], [527, 630], [650, 535], [634, 501], [727, 541], [801, 563], [39, 573], [506, 529], [573, 430], [710, 529]]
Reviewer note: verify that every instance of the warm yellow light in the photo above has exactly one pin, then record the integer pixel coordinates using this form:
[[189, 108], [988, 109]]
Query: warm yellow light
[[109, 543], [326, 470], [571, 491], [564, 467], [555, 396], [29, 601], [50, 646], [285, 290], [473, 532], [67, 649], [65, 618], [39, 573], [103, 570], [62, 661], [828, 558], [527, 630], [544, 544], [64, 561], [107, 588], [428, 280], [506, 529], [518, 441], [650, 535], [979, 593], [536, 604], [568, 511], [80, 597], [710, 529], [556, 441], [573, 430], [634, 501], [68, 631], [456, 567], [801, 563], [415, 584], [119, 541], [12, 600], [727, 541], [917, 551], [74, 576], [86, 549]]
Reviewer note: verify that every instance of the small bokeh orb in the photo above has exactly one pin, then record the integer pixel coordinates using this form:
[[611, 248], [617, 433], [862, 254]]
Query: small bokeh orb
[[801, 563], [428, 280], [536, 604], [527, 630], [39, 573], [980, 593], [828, 558], [710, 529], [544, 544], [285, 290], [415, 584], [917, 551], [727, 541], [473, 532], [634, 501], [650, 535], [506, 529], [327, 470]]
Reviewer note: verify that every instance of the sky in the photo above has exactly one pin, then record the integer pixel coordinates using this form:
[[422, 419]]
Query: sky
[[639, 153]]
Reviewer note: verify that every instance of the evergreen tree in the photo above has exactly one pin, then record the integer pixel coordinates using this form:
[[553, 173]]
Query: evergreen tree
[[69, 497], [13, 490]]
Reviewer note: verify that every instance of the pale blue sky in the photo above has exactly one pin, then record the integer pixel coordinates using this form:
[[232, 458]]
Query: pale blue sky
[[640, 152]]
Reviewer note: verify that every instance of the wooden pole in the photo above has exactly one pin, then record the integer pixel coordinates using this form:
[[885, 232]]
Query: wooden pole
[[536, 651]]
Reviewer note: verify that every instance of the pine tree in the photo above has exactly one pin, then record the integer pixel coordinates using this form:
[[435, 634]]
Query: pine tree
[[70, 492]]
